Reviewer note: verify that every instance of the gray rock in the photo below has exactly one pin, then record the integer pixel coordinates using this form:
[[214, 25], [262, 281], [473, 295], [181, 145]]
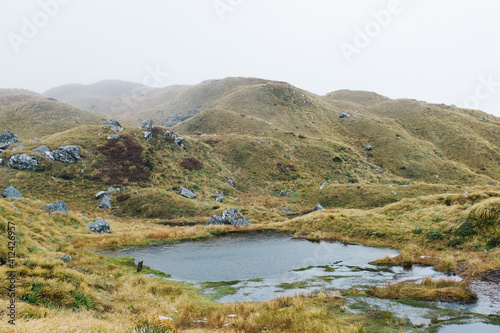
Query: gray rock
[[65, 257], [286, 209], [229, 217], [1, 160], [66, 154], [12, 192], [325, 184], [285, 193], [105, 203], [230, 181], [99, 226], [112, 122], [175, 119], [219, 196], [18, 147], [344, 115], [179, 140], [187, 193], [148, 136], [23, 162], [485, 118], [111, 189], [101, 194], [113, 137], [59, 206], [122, 189], [367, 147], [45, 152], [318, 207], [378, 170], [147, 124], [7, 139], [218, 199], [168, 133]]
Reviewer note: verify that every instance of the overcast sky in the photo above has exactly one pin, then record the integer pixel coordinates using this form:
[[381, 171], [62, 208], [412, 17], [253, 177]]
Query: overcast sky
[[444, 51]]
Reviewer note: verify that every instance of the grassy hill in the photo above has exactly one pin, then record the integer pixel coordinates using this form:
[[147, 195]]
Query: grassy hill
[[32, 115]]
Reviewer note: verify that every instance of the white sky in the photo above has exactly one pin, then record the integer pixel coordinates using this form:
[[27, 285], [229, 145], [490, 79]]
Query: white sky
[[442, 51]]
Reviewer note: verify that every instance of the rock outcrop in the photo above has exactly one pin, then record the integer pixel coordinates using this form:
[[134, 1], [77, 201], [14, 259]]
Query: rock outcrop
[[113, 122], [229, 217], [99, 226], [12, 192], [23, 162], [105, 203], [318, 207], [187, 193], [59, 206], [147, 124], [67, 154], [7, 139]]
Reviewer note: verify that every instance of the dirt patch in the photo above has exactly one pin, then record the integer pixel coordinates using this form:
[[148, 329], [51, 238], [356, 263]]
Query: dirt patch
[[492, 276]]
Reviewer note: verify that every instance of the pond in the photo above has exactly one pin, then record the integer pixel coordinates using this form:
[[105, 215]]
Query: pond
[[261, 266]]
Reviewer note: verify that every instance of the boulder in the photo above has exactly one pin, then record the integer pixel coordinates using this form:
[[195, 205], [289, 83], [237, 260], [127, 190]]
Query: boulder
[[168, 133], [111, 189], [179, 140], [147, 124], [112, 122], [65, 257], [105, 203], [12, 192], [318, 207], [59, 206], [344, 115], [18, 147], [101, 194], [44, 151], [187, 193], [67, 154], [229, 217], [219, 196], [148, 136], [285, 193], [7, 139], [367, 147], [99, 226], [23, 162], [113, 137]]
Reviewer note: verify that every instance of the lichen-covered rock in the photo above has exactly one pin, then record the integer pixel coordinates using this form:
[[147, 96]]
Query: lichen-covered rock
[[229, 217], [105, 203], [112, 122], [67, 154], [187, 193], [59, 206], [23, 162], [44, 151], [318, 207], [7, 139], [12, 192], [147, 124], [65, 257], [99, 226]]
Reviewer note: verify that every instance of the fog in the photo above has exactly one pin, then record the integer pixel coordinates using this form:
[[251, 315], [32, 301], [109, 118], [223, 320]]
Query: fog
[[437, 51]]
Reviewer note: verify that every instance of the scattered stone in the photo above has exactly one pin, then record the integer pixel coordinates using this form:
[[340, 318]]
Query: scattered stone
[[393, 192], [168, 133], [45, 152], [59, 206], [179, 140], [111, 189], [219, 196], [187, 193], [218, 199], [367, 147], [113, 122], [229, 217], [12, 192], [318, 207], [148, 136], [230, 181], [66, 154], [285, 193], [344, 115], [147, 124], [175, 119], [286, 209], [99, 226], [23, 162], [113, 137], [378, 170], [7, 139], [18, 147], [485, 118], [456, 129], [101, 194], [325, 184], [65, 257], [105, 203]]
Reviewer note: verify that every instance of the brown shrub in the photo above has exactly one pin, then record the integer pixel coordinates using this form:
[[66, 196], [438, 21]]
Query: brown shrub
[[191, 163], [123, 197], [286, 167]]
